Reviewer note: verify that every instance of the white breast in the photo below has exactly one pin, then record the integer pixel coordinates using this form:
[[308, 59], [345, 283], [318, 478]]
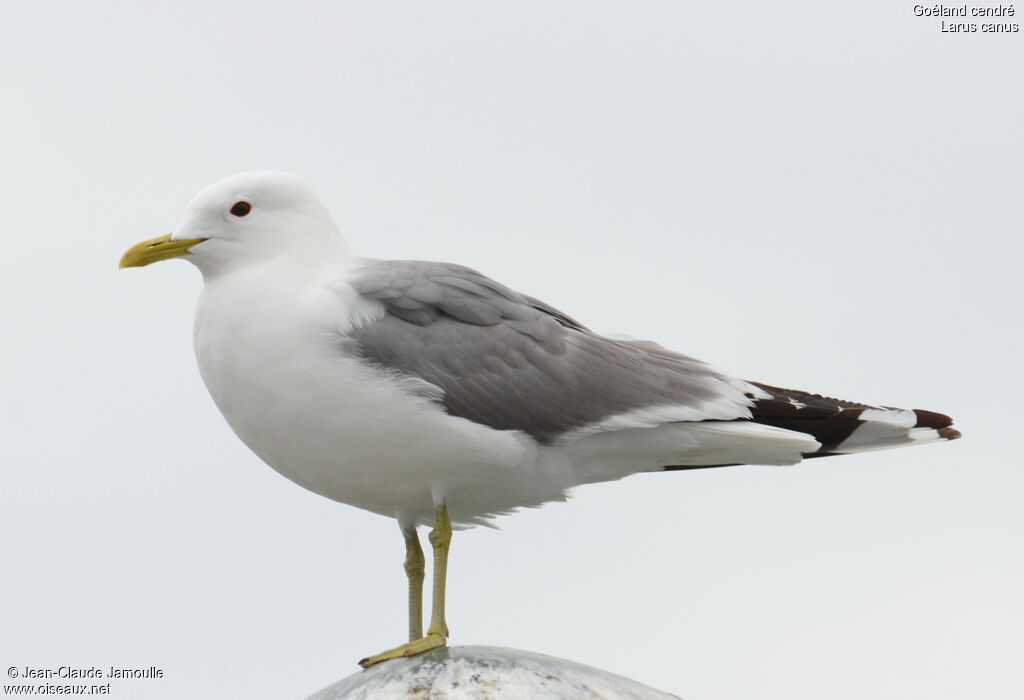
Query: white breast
[[273, 358]]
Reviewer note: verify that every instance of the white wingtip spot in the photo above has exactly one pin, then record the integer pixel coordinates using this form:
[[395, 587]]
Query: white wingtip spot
[[898, 417], [881, 429], [924, 435]]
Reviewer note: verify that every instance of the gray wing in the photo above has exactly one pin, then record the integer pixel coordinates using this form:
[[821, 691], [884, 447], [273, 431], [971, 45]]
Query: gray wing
[[511, 362]]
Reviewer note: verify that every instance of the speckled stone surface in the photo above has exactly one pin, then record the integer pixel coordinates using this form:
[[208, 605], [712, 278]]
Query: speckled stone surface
[[461, 673]]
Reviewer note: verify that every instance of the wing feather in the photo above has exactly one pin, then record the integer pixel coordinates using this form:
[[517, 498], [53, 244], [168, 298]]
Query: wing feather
[[512, 362]]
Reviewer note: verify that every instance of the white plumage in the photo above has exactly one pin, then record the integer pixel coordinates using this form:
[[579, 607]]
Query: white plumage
[[418, 390], [282, 294]]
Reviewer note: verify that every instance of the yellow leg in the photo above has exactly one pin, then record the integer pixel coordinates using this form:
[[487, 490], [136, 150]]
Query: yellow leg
[[415, 568], [440, 540], [437, 632]]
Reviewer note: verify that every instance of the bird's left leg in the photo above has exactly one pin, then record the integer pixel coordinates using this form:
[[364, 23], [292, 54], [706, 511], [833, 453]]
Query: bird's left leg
[[437, 632], [440, 540]]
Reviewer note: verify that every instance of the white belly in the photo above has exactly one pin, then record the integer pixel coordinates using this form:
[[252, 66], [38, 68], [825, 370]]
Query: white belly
[[341, 428]]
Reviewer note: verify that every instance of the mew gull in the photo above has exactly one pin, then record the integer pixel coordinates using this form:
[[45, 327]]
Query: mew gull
[[432, 394]]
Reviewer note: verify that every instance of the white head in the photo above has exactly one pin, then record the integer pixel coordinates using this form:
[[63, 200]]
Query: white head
[[245, 219]]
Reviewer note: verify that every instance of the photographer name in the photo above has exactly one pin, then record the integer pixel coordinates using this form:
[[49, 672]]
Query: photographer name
[[71, 672]]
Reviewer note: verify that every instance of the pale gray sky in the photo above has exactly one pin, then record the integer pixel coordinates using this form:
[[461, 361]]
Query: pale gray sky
[[818, 195]]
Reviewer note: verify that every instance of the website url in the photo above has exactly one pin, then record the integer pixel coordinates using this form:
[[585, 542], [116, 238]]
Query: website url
[[51, 689]]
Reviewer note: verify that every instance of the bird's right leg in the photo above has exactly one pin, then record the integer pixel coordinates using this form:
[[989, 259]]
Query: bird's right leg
[[415, 570], [437, 633]]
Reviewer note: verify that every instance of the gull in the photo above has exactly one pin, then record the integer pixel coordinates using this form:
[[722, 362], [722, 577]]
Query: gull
[[427, 392]]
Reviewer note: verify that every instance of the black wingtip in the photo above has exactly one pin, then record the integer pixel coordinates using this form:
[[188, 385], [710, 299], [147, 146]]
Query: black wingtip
[[949, 433], [931, 419], [938, 422]]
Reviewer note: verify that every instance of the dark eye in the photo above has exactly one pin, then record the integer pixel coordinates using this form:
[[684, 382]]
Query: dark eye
[[241, 208]]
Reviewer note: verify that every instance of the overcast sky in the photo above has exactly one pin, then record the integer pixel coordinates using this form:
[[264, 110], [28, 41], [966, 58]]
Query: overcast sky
[[825, 196]]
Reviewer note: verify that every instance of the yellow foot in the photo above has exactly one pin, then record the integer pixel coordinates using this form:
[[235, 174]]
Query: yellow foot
[[431, 641]]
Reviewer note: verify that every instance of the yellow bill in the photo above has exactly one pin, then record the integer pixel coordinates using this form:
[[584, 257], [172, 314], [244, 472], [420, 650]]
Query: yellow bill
[[156, 249]]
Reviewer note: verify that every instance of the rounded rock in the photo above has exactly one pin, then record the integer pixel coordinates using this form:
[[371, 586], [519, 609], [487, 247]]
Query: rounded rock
[[464, 673]]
